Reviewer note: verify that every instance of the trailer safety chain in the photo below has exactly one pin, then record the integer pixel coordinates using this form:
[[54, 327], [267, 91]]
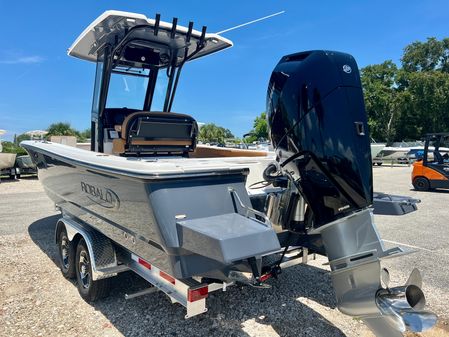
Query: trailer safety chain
[[276, 269]]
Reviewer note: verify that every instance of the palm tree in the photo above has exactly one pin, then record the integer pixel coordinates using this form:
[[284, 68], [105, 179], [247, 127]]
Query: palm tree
[[61, 129]]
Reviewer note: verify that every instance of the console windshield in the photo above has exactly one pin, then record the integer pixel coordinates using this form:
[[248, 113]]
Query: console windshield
[[128, 88]]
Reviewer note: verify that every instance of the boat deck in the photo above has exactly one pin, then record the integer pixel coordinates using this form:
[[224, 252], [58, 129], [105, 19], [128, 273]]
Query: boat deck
[[155, 166]]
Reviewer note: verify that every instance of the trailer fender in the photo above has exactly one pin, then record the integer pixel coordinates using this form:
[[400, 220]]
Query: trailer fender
[[104, 260]]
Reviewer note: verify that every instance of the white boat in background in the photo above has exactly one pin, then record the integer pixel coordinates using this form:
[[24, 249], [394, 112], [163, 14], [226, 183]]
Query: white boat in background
[[84, 146], [36, 134], [7, 160], [265, 146], [397, 152], [376, 148], [25, 165]]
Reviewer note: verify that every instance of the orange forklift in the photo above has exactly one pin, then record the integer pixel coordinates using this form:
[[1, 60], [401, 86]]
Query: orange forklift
[[432, 171]]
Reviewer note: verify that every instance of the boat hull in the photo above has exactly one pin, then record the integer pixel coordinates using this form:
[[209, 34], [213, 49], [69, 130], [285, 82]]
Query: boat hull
[[375, 149], [140, 213]]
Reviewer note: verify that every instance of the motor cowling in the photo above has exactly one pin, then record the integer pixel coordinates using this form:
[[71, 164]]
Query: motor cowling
[[318, 126]]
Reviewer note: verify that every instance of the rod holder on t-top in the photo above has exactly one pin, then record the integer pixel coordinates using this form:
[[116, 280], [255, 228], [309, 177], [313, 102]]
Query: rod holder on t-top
[[173, 28], [157, 23], [189, 32], [202, 38], [201, 44]]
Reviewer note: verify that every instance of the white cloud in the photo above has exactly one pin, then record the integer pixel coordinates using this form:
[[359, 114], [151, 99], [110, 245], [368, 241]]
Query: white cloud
[[23, 60]]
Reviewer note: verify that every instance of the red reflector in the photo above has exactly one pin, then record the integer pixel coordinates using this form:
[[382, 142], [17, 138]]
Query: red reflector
[[265, 277], [197, 294], [144, 263], [167, 277]]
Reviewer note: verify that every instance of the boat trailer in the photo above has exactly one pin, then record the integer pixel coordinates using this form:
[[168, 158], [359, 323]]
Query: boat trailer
[[108, 260]]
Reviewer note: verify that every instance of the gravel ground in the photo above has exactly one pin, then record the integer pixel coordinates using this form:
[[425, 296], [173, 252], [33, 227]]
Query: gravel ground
[[36, 300]]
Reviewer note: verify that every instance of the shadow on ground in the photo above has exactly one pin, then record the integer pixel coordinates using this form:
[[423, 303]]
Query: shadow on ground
[[442, 191], [391, 165], [28, 177], [6, 179], [229, 312]]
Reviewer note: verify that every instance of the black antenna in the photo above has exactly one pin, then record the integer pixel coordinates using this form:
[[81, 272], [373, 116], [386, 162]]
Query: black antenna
[[156, 24], [189, 32], [173, 27]]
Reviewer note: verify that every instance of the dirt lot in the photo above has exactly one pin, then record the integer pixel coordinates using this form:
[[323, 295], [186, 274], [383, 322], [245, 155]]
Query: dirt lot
[[35, 299]]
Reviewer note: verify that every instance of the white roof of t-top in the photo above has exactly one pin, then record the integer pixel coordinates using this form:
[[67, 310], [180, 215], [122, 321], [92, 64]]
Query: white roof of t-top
[[112, 23]]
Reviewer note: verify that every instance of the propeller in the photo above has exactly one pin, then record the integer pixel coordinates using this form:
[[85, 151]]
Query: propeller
[[402, 307]]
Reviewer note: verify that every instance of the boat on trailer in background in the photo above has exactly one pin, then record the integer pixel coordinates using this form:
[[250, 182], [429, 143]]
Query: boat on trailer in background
[[192, 219], [7, 161]]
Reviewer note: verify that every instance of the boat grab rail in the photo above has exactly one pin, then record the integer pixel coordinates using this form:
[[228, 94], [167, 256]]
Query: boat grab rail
[[248, 210]]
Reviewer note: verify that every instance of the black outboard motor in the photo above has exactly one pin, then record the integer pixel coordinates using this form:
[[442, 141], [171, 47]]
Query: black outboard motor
[[319, 128]]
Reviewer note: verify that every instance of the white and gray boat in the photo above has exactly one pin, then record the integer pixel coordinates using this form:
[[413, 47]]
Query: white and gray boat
[[192, 219]]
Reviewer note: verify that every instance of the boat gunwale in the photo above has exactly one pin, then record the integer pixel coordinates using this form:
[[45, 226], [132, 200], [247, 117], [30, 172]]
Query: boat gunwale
[[144, 176]]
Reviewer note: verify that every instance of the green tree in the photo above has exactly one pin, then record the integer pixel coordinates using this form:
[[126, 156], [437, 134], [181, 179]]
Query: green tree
[[379, 84], [84, 135], [426, 56], [406, 103], [64, 129], [10, 147], [260, 128], [423, 89], [423, 104], [22, 137], [211, 133]]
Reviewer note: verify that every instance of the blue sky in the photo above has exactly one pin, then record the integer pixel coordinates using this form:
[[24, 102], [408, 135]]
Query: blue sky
[[40, 84]]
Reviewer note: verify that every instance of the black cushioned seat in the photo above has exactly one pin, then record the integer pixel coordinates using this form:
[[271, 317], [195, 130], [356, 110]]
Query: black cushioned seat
[[157, 132]]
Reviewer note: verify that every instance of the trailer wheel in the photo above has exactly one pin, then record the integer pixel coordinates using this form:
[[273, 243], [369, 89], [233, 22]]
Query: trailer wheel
[[89, 289], [66, 254], [421, 184]]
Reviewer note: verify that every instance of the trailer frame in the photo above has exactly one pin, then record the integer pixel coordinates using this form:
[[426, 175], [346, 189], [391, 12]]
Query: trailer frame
[[108, 259]]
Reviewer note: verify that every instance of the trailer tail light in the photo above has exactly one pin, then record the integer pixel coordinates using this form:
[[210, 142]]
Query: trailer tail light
[[167, 277], [144, 263], [197, 294], [265, 277]]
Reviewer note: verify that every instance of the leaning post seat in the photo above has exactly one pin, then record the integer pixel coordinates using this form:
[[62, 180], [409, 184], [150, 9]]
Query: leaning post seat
[[156, 133]]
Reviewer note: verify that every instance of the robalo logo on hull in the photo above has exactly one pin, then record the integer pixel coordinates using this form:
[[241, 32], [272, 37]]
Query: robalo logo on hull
[[102, 196]]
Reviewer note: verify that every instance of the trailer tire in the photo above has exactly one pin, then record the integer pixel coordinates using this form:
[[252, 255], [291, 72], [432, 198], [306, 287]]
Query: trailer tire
[[66, 255], [89, 289], [421, 184]]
